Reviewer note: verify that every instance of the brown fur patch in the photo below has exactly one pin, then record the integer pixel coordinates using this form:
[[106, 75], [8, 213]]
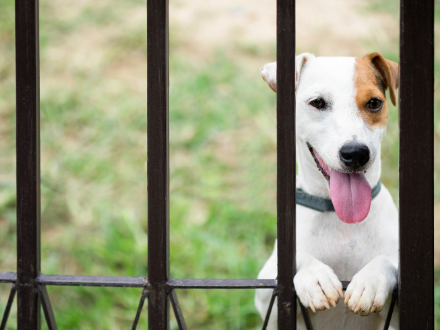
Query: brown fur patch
[[369, 84], [388, 70]]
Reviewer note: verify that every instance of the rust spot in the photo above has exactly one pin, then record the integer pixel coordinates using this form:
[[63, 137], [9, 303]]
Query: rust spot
[[287, 306], [369, 84]]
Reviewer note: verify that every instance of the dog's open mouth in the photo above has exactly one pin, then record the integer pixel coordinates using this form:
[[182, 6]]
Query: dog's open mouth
[[322, 167], [350, 192]]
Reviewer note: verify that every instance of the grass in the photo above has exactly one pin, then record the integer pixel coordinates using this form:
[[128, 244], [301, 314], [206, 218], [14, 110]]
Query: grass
[[93, 165]]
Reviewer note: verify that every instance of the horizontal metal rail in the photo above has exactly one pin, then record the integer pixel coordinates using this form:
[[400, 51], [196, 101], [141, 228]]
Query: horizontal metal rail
[[118, 281], [140, 282], [8, 277], [104, 281], [221, 284]]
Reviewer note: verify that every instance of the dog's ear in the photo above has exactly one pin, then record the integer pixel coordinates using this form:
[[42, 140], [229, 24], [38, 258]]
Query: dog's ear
[[269, 71], [300, 63], [269, 74], [388, 70]]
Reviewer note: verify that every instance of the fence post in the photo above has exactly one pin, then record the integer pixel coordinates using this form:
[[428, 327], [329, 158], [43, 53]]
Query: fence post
[[286, 163], [158, 162], [416, 165], [28, 162]]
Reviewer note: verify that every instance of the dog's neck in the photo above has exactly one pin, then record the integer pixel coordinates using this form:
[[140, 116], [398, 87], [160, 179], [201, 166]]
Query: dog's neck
[[311, 180]]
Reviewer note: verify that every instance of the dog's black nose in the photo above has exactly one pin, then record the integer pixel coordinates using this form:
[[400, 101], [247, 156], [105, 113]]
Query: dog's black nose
[[354, 155]]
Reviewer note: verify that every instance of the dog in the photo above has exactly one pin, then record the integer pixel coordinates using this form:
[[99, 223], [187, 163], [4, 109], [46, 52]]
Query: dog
[[341, 117]]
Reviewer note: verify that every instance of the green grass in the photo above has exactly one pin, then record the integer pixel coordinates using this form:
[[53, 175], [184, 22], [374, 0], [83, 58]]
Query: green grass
[[93, 168]]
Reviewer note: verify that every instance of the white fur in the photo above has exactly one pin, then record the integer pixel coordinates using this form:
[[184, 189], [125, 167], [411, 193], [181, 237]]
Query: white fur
[[329, 250]]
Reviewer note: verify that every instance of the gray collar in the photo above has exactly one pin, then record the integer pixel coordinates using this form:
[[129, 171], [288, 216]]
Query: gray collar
[[323, 204]]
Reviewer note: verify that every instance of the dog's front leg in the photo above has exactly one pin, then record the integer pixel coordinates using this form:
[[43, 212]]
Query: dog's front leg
[[316, 284], [371, 286]]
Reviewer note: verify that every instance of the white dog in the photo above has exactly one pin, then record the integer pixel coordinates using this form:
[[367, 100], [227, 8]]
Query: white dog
[[341, 117]]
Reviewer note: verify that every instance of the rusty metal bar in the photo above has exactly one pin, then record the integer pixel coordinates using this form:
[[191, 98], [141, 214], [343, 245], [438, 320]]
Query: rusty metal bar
[[416, 165], [286, 163], [158, 164], [28, 162]]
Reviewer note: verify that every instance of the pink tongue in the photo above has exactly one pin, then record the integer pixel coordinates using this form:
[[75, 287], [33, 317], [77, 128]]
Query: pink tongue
[[351, 196]]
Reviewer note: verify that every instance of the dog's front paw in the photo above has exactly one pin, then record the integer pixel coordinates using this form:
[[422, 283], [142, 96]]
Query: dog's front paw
[[370, 288], [317, 285]]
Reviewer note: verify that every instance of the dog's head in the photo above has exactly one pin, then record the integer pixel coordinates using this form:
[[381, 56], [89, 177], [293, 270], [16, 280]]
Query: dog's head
[[341, 116]]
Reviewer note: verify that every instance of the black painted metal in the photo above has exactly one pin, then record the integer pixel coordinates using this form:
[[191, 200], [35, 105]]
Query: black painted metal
[[306, 316], [8, 277], [269, 309], [221, 284], [116, 281], [345, 285], [308, 322], [80, 280], [390, 311], [144, 295], [28, 162], [415, 193], [177, 311], [416, 165], [8, 307], [47, 308], [158, 164], [286, 163]]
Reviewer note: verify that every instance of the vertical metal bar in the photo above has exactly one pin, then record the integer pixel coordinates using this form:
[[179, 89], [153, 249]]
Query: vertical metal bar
[[145, 294], [8, 308], [177, 311], [47, 308], [416, 165], [158, 173], [28, 162], [286, 164]]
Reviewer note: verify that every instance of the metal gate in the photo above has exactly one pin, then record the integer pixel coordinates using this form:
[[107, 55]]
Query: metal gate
[[416, 158]]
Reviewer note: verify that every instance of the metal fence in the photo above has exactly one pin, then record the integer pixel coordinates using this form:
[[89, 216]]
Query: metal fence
[[415, 284]]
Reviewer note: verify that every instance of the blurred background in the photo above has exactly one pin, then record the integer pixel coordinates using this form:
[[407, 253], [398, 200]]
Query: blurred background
[[222, 145]]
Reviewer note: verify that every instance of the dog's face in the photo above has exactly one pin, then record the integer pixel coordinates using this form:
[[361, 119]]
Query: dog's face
[[341, 116]]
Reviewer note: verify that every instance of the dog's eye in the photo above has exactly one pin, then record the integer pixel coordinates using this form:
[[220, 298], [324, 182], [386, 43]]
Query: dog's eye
[[318, 103], [374, 105]]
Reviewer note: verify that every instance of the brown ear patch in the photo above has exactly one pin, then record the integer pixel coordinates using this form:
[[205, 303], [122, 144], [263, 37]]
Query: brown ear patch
[[369, 84], [388, 70]]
